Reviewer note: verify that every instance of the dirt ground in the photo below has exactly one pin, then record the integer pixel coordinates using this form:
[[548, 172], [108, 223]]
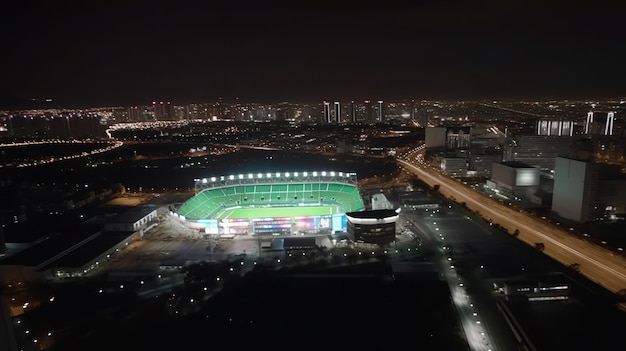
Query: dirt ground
[[136, 199], [126, 200]]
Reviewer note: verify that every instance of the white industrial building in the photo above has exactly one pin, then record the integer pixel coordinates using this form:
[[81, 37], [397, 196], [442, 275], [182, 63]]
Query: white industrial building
[[587, 191], [539, 150], [455, 166], [514, 179], [447, 137], [80, 250], [132, 221]]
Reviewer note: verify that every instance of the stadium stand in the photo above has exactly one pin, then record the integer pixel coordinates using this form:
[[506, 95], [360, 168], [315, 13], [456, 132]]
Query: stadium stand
[[209, 202]]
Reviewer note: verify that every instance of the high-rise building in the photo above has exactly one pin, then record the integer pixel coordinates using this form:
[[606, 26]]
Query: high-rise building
[[381, 114], [558, 128], [435, 137], [197, 111], [337, 112], [162, 110], [586, 191], [597, 127], [220, 110], [369, 111], [134, 114], [180, 112], [458, 138], [352, 112], [327, 115]]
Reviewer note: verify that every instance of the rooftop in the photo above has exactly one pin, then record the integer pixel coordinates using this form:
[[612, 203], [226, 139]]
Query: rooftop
[[52, 247], [377, 214], [86, 253], [516, 164], [133, 215]]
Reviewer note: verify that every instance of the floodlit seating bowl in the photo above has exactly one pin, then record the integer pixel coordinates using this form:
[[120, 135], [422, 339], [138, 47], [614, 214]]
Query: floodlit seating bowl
[[209, 202]]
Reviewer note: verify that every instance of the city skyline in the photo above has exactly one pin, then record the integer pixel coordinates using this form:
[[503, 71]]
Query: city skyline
[[142, 228], [129, 54]]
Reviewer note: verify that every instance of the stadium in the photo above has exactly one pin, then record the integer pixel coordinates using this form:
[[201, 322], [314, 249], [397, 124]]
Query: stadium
[[272, 203]]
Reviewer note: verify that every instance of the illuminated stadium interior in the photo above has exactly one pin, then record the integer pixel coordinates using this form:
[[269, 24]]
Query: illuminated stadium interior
[[277, 203]]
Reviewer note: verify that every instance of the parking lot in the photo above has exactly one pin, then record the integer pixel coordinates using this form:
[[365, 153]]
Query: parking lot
[[172, 244]]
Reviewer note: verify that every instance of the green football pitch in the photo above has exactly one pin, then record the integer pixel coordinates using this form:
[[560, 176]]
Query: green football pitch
[[268, 212]]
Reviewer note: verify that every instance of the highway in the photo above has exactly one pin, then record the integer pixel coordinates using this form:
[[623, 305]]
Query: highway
[[596, 263]]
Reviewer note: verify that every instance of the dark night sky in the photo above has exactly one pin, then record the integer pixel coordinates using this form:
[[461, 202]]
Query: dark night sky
[[81, 54]]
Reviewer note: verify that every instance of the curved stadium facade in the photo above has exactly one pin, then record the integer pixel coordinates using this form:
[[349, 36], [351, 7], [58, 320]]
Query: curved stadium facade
[[273, 203]]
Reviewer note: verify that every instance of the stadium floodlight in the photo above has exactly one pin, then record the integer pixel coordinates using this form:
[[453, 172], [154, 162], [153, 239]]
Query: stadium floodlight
[[231, 177], [295, 174], [213, 179], [241, 176], [324, 174], [341, 174], [250, 175], [287, 174], [203, 180], [305, 174], [269, 175], [259, 175], [332, 174], [277, 174], [315, 174]]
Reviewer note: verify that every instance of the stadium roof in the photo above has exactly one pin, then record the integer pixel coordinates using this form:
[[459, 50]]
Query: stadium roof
[[86, 253], [133, 215], [54, 246]]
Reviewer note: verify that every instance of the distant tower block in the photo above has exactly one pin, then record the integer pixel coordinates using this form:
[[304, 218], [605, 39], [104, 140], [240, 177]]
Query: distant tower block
[[589, 122], [608, 125], [352, 112], [556, 128], [327, 114], [337, 112]]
